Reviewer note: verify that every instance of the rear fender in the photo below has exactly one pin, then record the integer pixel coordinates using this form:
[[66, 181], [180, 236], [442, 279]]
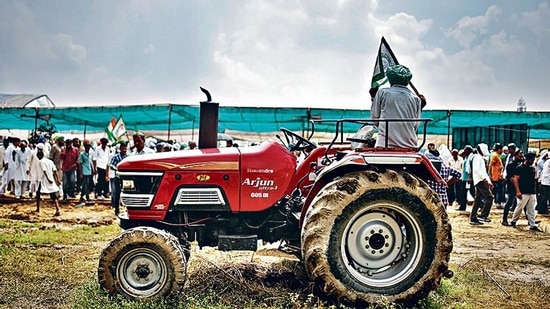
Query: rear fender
[[414, 163], [350, 164]]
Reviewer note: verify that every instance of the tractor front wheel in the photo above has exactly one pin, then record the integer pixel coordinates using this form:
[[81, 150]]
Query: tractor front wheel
[[143, 263]]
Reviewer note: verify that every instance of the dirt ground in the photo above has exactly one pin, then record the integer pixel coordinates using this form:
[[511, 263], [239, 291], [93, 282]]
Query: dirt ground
[[100, 213], [509, 254]]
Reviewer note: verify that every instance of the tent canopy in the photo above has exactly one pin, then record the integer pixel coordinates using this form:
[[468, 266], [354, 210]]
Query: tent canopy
[[25, 100]]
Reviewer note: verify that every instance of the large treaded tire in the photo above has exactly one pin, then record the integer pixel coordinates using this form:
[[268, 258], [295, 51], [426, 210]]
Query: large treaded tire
[[370, 238], [143, 263]]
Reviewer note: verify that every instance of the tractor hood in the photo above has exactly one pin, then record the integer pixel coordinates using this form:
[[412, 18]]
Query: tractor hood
[[201, 159]]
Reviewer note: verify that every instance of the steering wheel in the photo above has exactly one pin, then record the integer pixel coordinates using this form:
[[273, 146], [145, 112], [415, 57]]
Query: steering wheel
[[296, 142]]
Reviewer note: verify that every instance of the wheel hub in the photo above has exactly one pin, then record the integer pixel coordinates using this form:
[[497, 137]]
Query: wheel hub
[[142, 271], [377, 241], [374, 240]]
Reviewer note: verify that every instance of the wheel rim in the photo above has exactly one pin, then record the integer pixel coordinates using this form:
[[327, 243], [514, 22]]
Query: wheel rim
[[382, 244], [142, 272]]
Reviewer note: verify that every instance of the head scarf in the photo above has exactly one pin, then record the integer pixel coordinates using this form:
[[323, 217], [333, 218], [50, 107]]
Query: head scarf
[[483, 149], [398, 75]]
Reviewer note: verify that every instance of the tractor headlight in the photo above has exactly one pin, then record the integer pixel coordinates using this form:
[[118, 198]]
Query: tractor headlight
[[128, 185]]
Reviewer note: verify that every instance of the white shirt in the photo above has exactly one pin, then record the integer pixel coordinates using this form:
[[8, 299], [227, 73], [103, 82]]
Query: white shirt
[[545, 174], [34, 167], [21, 164], [48, 168], [8, 159], [479, 172], [2, 152], [456, 164], [145, 150], [101, 157]]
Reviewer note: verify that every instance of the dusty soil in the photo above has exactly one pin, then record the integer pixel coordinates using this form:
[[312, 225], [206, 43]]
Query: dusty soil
[[506, 254], [100, 213]]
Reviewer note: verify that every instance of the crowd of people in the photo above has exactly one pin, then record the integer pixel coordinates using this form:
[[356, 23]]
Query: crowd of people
[[63, 168], [505, 178]]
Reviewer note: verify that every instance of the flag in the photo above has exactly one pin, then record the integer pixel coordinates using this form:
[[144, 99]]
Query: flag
[[384, 59], [119, 129], [109, 129]]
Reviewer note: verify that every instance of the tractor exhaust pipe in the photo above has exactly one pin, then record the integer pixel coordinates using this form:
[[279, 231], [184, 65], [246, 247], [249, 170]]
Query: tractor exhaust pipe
[[208, 122]]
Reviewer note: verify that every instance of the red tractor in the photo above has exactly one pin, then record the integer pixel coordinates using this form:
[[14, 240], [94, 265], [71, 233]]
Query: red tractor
[[363, 221]]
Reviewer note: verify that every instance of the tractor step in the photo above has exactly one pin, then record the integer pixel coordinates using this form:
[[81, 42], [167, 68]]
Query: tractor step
[[237, 242]]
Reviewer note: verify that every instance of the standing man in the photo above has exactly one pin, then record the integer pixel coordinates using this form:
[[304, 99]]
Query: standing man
[[116, 184], [483, 196], [34, 171], [20, 175], [69, 167], [525, 185], [394, 102], [464, 184], [100, 160], [49, 183], [511, 190], [542, 201], [79, 148], [453, 191], [139, 145], [9, 165], [495, 173], [544, 188], [56, 155], [85, 173], [5, 144]]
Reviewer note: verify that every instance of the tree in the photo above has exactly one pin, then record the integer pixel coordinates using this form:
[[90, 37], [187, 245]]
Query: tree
[[46, 130]]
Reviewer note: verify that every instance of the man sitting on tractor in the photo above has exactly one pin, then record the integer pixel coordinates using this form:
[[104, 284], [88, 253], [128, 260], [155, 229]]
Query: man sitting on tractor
[[397, 102]]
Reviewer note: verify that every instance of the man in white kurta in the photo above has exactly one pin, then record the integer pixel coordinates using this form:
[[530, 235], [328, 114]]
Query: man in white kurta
[[34, 170], [5, 144], [9, 164], [49, 182], [20, 175]]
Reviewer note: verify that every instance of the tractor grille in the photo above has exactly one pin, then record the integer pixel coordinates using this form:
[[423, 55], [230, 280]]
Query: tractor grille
[[136, 200], [199, 196]]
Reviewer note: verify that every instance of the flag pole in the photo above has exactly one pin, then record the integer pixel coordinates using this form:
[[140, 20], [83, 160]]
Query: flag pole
[[397, 62]]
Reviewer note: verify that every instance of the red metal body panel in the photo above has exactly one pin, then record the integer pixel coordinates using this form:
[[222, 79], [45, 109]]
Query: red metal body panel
[[251, 178], [205, 167], [227, 180], [224, 159], [266, 173], [304, 168], [146, 214]]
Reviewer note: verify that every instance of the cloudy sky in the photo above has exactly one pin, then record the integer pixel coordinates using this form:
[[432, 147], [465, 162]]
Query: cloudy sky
[[464, 54]]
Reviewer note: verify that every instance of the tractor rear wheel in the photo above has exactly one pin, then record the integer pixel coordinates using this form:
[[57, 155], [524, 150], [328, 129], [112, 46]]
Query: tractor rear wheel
[[373, 237], [143, 263]]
